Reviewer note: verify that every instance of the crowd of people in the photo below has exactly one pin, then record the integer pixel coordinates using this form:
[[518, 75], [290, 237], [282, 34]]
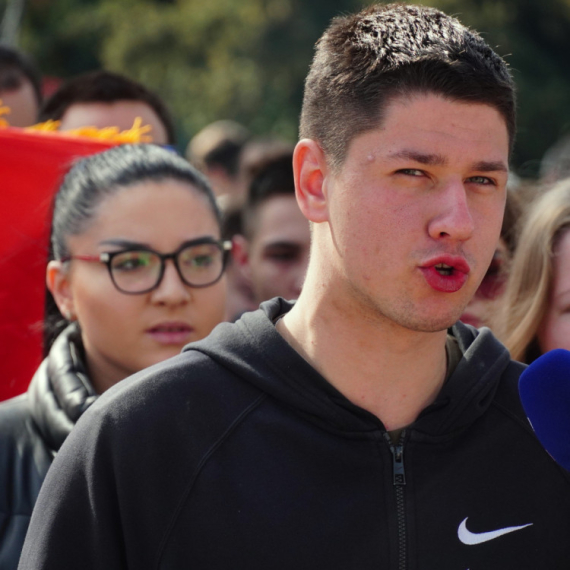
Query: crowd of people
[[424, 278]]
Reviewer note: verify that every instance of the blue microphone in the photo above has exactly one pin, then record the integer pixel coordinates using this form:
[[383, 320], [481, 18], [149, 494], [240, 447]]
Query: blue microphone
[[544, 389]]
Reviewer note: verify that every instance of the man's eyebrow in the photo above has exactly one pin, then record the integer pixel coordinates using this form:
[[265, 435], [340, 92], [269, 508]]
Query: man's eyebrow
[[440, 160], [490, 166], [422, 158]]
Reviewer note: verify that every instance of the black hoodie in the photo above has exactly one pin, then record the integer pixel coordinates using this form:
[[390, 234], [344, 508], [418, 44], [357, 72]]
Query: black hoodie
[[238, 454]]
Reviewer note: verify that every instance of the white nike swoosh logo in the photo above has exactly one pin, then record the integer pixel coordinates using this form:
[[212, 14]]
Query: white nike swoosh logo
[[468, 537]]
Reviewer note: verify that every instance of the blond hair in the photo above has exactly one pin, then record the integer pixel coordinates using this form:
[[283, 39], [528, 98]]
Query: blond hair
[[530, 282]]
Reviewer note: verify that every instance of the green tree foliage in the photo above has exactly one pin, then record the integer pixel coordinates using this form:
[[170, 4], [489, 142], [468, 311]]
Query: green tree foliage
[[247, 59], [534, 37]]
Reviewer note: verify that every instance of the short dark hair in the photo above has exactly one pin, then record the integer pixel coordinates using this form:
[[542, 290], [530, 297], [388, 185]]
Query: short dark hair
[[364, 61], [14, 68], [218, 144], [105, 87], [272, 178]]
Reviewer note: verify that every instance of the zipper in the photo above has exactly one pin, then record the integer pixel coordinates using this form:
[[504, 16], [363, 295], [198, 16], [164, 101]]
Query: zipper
[[399, 481]]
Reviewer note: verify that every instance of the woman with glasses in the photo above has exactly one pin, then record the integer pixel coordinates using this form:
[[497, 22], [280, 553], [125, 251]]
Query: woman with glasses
[[137, 274]]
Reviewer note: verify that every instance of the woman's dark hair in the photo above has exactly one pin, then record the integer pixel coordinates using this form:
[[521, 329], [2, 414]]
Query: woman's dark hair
[[99, 176]]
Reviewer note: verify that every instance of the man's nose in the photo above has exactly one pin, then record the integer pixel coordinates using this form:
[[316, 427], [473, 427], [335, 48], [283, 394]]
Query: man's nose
[[453, 219]]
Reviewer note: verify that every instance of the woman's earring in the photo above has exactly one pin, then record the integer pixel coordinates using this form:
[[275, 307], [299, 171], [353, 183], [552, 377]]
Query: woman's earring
[[68, 314]]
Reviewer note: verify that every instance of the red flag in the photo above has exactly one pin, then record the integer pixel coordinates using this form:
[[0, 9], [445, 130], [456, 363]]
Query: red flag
[[31, 167]]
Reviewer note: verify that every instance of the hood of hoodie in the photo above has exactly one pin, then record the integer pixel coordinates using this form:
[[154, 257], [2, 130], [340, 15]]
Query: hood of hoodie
[[60, 391], [253, 350]]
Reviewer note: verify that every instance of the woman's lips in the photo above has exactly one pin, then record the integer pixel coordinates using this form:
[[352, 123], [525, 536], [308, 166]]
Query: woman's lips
[[171, 333], [446, 274]]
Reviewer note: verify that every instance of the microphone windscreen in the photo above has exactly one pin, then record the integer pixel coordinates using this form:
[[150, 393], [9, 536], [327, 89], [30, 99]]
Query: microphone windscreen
[[544, 389]]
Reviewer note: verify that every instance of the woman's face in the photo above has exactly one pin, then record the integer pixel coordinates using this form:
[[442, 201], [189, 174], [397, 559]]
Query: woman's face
[[554, 330], [124, 333], [485, 303]]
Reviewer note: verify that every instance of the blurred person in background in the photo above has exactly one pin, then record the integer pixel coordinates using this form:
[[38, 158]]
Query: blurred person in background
[[255, 154], [105, 99], [137, 274], [216, 151], [20, 87], [483, 307], [535, 317], [273, 251], [555, 164]]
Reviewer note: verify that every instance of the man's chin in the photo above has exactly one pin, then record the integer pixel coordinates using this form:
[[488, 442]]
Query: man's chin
[[431, 324]]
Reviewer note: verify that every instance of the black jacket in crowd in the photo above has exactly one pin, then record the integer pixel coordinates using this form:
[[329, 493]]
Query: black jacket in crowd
[[237, 454], [32, 428]]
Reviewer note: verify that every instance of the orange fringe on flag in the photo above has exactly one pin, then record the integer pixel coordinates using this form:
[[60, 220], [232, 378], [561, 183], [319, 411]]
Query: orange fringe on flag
[[138, 133]]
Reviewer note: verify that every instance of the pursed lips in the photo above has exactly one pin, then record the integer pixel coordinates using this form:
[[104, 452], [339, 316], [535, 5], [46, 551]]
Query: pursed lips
[[446, 273]]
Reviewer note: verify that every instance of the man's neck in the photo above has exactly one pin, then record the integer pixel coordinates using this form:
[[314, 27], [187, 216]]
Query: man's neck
[[390, 371]]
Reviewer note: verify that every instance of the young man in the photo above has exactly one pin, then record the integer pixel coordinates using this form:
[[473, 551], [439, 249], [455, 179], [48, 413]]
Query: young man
[[354, 429], [273, 250], [105, 99], [215, 151]]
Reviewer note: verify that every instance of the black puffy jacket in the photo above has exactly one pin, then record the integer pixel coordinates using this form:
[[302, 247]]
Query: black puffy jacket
[[33, 427]]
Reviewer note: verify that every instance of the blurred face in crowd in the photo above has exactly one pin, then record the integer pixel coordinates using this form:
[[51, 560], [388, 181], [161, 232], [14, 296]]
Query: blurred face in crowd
[[121, 114], [554, 330], [124, 333], [276, 256], [485, 303], [22, 103]]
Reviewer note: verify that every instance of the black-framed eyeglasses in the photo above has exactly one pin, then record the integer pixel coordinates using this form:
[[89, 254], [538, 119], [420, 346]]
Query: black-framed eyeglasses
[[136, 270]]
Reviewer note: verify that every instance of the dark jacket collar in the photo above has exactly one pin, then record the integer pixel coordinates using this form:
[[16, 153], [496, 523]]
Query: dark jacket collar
[[254, 350], [60, 390]]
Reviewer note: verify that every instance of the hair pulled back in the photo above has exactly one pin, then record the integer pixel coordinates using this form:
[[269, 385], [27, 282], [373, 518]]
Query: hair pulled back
[[96, 177]]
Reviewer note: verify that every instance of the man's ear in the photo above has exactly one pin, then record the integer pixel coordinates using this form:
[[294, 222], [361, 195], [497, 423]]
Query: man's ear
[[57, 281], [240, 255], [310, 170]]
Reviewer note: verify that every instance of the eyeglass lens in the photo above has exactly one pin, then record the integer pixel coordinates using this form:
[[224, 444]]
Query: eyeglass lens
[[139, 270]]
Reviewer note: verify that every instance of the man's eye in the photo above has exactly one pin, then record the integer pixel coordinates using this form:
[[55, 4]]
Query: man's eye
[[482, 180], [282, 255], [411, 172]]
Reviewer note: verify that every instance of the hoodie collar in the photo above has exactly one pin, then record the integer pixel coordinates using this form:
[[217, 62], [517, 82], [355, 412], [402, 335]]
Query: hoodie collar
[[252, 349]]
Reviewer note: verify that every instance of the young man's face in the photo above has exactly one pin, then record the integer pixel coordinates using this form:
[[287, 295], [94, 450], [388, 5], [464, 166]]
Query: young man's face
[[276, 257], [414, 213]]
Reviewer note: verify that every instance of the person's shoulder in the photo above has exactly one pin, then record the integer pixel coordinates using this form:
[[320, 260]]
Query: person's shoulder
[[24, 456], [15, 418], [489, 358], [186, 392]]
